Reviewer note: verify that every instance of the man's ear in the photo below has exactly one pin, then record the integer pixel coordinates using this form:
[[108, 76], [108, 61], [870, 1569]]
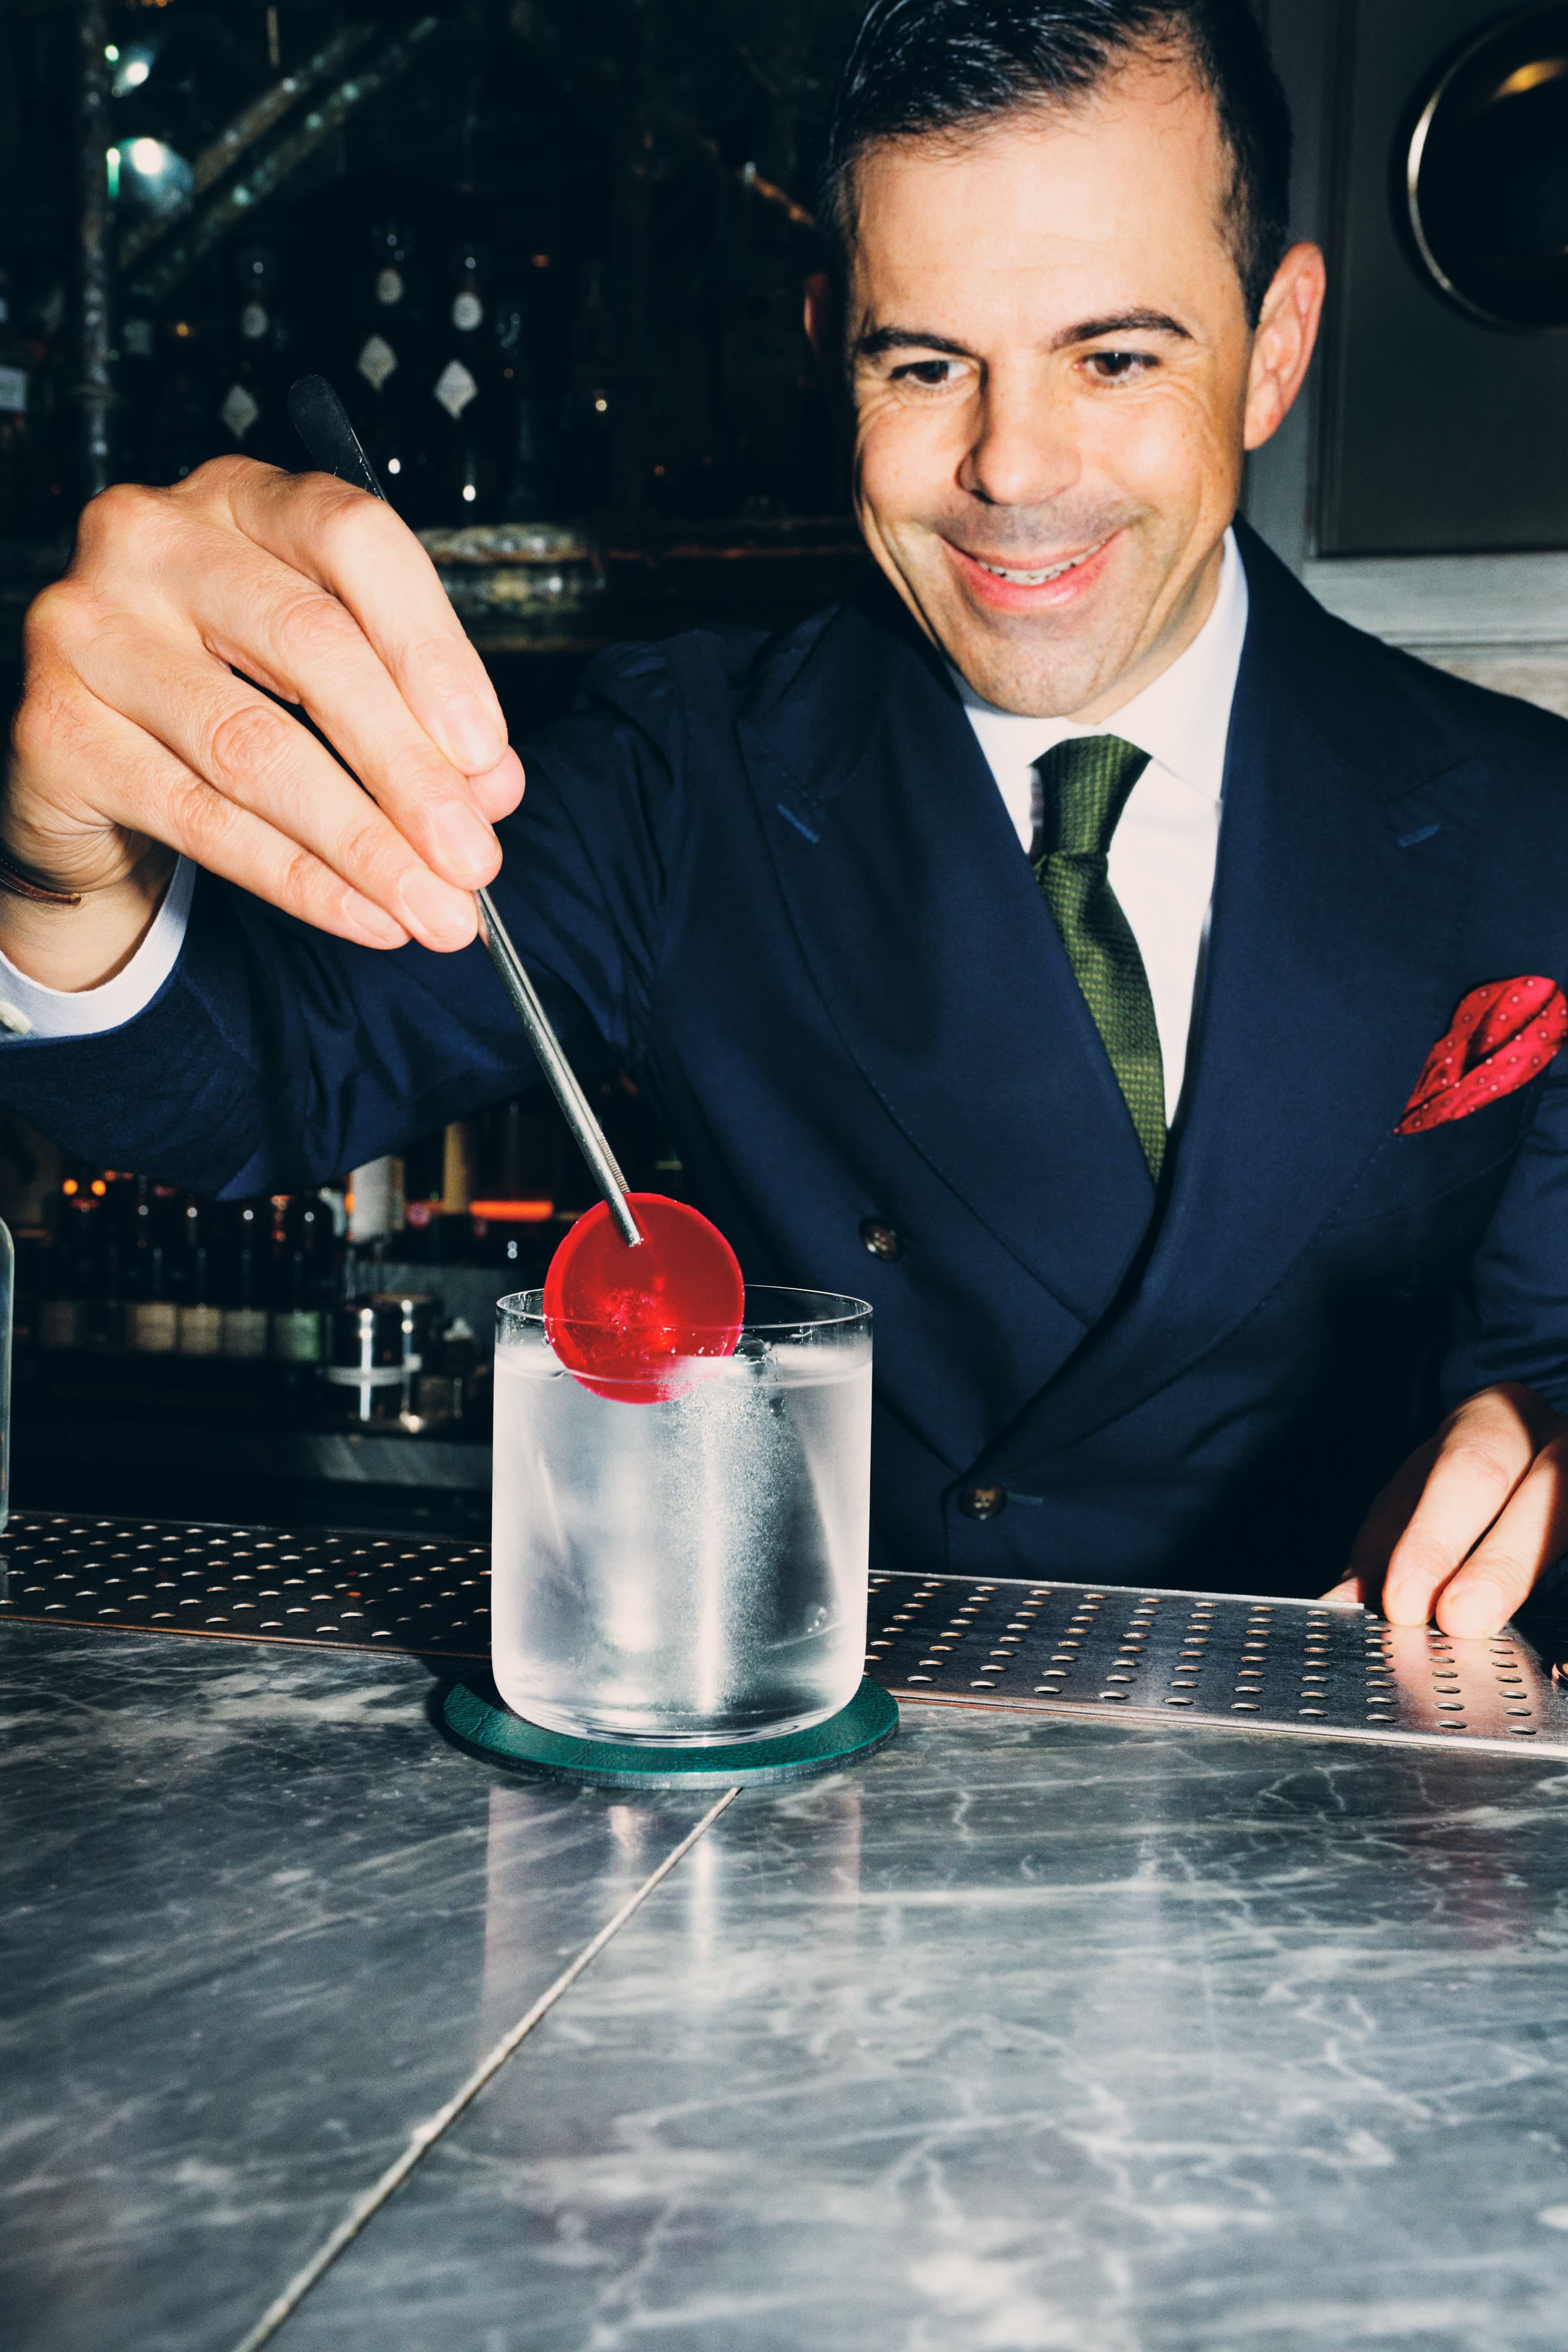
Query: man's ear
[[825, 333], [1286, 337]]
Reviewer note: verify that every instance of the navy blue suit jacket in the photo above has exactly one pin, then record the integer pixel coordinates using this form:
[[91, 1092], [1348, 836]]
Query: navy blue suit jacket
[[777, 878]]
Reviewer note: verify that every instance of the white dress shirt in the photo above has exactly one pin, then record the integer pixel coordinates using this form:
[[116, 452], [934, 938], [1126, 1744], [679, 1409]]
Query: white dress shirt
[[1162, 857], [1164, 849]]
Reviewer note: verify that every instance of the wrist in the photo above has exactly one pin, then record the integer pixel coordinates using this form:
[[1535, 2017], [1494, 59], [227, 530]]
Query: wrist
[[79, 940]]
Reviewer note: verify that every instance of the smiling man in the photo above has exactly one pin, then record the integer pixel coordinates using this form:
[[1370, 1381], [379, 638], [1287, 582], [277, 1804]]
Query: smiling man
[[1144, 989]]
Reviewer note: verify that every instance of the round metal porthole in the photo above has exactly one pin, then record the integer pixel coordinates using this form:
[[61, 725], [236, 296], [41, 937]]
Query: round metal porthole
[[1483, 173]]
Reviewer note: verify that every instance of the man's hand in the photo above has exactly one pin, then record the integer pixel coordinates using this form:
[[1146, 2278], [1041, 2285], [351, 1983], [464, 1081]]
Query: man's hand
[[1472, 1520], [141, 731]]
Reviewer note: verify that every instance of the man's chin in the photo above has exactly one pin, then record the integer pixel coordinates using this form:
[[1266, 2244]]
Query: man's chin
[[1045, 654], [1023, 667]]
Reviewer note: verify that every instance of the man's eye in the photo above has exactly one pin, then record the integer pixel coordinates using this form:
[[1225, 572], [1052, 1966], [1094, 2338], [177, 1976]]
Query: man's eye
[[929, 372], [1114, 367]]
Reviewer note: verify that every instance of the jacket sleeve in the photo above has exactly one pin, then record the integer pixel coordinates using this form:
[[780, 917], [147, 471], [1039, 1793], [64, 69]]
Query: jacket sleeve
[[1511, 1315], [276, 1056]]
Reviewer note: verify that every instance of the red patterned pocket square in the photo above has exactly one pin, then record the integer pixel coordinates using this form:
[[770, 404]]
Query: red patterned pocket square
[[1503, 1036]]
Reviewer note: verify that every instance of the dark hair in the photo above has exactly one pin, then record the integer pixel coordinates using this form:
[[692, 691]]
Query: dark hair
[[925, 67]]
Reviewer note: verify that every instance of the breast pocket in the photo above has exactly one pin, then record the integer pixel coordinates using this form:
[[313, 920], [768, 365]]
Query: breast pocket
[[1413, 1176]]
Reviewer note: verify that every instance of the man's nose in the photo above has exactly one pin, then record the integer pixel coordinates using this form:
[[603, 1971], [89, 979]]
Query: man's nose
[[1024, 453]]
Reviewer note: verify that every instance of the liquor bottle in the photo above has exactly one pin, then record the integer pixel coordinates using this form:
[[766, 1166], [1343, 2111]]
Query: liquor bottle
[[385, 326], [199, 1323], [60, 1310], [106, 1280], [151, 1313], [301, 1277], [466, 418], [256, 367], [442, 1390], [376, 1207], [521, 339], [247, 1280]]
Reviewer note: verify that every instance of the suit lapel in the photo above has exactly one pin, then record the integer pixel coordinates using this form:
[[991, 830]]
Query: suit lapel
[[919, 918], [1346, 851]]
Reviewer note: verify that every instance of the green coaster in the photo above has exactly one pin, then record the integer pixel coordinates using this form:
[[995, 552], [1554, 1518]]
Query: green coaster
[[476, 1715]]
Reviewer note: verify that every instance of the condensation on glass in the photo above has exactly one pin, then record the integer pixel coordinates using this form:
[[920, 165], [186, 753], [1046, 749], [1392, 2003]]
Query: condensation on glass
[[690, 1570]]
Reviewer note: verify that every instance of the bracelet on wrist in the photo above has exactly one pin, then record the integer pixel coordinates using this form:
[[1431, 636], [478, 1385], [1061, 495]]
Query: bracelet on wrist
[[17, 883]]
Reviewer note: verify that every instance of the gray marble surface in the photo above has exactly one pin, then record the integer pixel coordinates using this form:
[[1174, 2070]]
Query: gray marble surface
[[1028, 2034], [256, 1921]]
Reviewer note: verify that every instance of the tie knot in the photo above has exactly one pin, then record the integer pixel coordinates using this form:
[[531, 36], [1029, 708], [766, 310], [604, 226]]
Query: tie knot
[[1087, 781]]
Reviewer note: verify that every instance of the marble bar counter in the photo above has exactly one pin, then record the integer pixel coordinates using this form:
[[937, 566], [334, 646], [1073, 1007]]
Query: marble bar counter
[[1031, 2035]]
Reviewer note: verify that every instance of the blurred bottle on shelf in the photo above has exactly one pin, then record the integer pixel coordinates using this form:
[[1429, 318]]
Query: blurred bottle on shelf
[[444, 1392], [106, 1276], [375, 1203], [247, 1280], [61, 1311], [304, 1248], [257, 363], [387, 335], [151, 1310], [199, 1323], [466, 418]]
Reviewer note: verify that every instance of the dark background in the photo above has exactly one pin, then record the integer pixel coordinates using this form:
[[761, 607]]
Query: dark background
[[606, 153]]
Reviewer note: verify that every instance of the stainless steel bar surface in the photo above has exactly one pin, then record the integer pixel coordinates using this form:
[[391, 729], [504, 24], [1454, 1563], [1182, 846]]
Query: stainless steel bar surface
[[1275, 1666], [1100, 1651]]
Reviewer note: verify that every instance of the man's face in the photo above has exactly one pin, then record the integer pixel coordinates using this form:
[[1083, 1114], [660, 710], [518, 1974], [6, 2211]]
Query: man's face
[[1049, 357]]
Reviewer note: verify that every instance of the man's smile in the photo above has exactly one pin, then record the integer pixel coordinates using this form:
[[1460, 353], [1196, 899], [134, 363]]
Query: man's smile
[[1014, 587]]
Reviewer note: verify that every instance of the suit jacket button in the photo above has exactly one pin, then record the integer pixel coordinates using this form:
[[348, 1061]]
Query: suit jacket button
[[983, 1502], [881, 1239]]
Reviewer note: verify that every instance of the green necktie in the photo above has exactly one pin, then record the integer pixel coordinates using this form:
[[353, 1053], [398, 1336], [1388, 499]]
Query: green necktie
[[1087, 781]]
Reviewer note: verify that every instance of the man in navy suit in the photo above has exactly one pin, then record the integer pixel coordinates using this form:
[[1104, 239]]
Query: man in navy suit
[[1047, 945]]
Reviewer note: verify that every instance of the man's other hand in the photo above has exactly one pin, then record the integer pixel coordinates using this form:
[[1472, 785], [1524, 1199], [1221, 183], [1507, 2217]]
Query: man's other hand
[[1470, 1522], [155, 721]]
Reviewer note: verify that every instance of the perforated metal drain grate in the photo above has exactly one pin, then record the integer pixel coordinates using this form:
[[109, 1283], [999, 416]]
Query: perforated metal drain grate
[[355, 1591], [1105, 1651], [1274, 1665]]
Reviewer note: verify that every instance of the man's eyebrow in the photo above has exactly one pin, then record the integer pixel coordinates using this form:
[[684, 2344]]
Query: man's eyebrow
[[1127, 322], [877, 339]]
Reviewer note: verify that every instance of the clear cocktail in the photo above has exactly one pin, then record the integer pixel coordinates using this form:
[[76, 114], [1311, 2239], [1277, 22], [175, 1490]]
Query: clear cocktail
[[691, 1570]]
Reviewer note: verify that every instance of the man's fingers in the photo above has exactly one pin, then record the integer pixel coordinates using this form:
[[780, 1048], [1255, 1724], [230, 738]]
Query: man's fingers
[[357, 548], [1501, 1571], [200, 821], [1386, 1522], [267, 621], [259, 760], [1349, 1590], [1482, 1454]]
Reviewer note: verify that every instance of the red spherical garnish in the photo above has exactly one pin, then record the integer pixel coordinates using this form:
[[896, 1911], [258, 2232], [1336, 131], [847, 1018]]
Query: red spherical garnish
[[630, 1323]]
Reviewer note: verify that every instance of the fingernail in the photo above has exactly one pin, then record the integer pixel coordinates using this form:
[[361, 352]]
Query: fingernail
[[475, 738], [381, 929], [499, 790], [1473, 1611], [467, 841], [435, 908]]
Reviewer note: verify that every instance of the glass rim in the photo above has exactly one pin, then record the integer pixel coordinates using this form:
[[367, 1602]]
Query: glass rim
[[817, 1310]]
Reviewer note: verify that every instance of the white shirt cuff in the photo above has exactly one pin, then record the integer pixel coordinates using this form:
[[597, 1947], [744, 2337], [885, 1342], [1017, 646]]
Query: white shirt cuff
[[27, 1009]]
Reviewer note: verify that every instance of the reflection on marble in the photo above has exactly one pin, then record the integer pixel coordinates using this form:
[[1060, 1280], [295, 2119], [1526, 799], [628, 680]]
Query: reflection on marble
[[249, 1906], [1034, 2037]]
